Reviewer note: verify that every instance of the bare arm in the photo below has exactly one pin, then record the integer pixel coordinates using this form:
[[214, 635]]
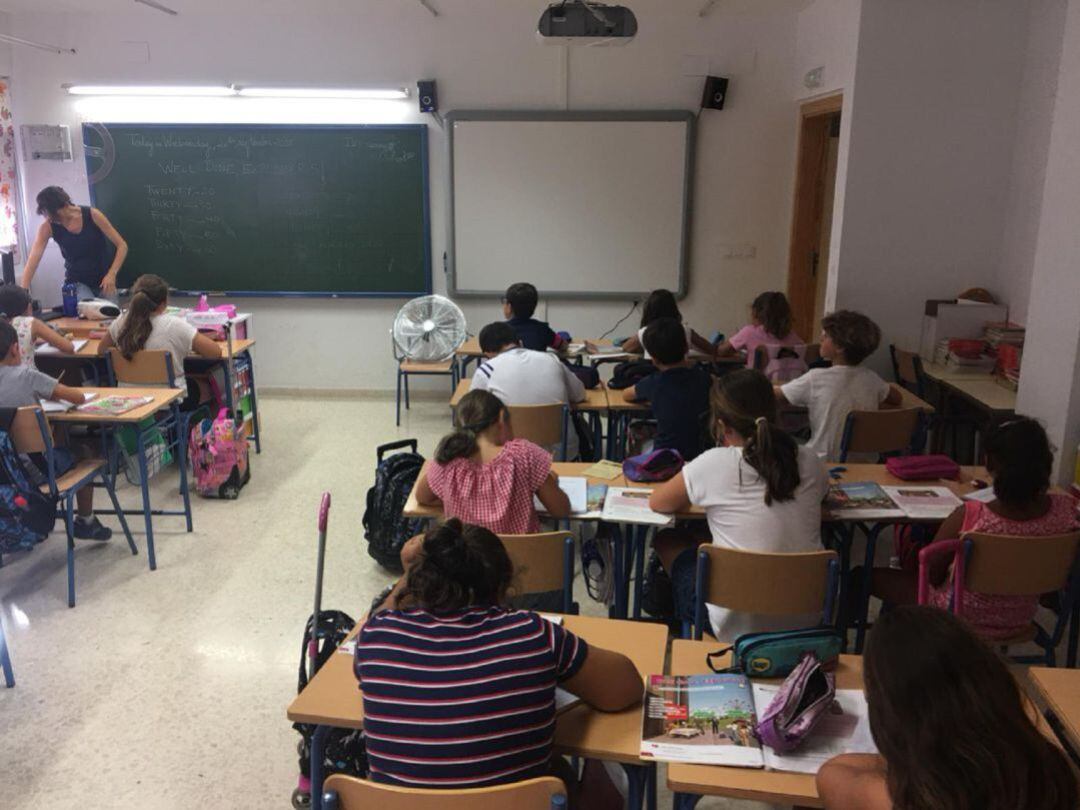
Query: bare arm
[[631, 345], [108, 283], [555, 501], [424, 495], [205, 347], [41, 239], [607, 681], [725, 349], [69, 394], [780, 398], [630, 394], [701, 344], [949, 530], [670, 497], [854, 782], [40, 331], [106, 343]]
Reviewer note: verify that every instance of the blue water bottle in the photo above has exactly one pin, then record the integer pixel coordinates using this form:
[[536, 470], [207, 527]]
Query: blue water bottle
[[71, 299]]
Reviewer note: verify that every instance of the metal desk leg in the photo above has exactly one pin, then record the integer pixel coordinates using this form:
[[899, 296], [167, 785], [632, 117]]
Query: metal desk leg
[[1074, 635], [140, 449], [618, 606], [842, 536], [641, 536], [318, 745], [642, 779], [254, 404], [863, 619], [685, 801], [181, 452]]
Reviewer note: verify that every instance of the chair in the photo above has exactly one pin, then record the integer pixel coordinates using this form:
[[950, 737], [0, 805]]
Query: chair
[[545, 425], [908, 370], [886, 431], [154, 368], [342, 792], [772, 584], [909, 373], [407, 367], [5, 659], [1011, 566], [543, 563], [30, 433]]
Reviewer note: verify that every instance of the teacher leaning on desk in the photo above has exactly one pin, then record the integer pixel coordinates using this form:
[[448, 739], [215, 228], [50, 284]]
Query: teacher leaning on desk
[[83, 234]]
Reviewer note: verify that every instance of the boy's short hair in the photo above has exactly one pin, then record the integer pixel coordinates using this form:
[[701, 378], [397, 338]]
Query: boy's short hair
[[853, 333], [665, 340], [13, 300], [522, 298], [8, 337], [496, 335]]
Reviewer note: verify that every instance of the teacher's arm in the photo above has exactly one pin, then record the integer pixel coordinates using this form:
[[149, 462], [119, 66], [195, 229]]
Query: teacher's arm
[[36, 250], [108, 283]]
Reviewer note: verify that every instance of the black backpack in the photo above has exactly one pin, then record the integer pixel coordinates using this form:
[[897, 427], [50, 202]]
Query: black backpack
[[26, 514], [385, 528], [630, 373]]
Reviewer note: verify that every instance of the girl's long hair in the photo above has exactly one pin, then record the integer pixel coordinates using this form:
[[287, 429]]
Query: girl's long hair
[[660, 304], [475, 413], [148, 293], [773, 312], [459, 565], [950, 721]]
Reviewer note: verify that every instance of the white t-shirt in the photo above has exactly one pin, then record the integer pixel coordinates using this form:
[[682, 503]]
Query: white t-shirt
[[167, 333], [831, 394], [641, 340], [524, 377], [733, 496]]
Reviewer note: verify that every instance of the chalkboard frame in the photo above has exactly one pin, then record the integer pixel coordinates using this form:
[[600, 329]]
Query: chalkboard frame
[[425, 179]]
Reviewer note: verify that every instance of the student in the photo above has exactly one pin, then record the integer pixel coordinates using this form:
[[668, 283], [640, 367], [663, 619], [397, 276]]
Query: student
[[770, 325], [144, 325], [458, 690], [22, 385], [519, 376], [519, 304], [1019, 458], [760, 490], [952, 726], [830, 394], [677, 394], [483, 475], [16, 306], [661, 304]]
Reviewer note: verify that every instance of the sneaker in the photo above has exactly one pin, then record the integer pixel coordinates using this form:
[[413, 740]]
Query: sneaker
[[91, 529]]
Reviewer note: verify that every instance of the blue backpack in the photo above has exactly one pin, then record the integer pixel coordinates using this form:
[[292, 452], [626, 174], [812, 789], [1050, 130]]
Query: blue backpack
[[26, 514]]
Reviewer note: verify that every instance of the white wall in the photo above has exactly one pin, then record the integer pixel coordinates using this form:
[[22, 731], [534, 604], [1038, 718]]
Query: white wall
[[827, 36], [484, 55]]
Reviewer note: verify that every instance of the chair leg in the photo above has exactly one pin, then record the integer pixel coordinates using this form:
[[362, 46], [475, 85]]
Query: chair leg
[[181, 452], [5, 660], [398, 422], [111, 489], [406, 376], [69, 524], [140, 449]]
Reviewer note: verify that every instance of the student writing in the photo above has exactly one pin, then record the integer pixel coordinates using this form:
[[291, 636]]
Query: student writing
[[661, 304], [15, 305]]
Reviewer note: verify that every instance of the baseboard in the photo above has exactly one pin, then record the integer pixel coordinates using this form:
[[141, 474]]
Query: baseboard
[[378, 394]]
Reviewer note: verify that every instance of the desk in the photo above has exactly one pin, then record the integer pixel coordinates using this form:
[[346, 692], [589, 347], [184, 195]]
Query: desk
[[979, 389], [1060, 688], [162, 398], [332, 700], [596, 399], [773, 787]]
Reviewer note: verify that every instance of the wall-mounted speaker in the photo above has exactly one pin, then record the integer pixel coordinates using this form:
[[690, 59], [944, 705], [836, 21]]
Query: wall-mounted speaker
[[715, 93], [425, 92]]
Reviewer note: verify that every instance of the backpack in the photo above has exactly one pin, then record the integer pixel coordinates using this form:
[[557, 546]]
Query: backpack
[[782, 364], [27, 515], [630, 373], [385, 528], [218, 450]]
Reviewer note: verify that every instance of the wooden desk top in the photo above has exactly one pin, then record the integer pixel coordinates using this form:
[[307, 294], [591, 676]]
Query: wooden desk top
[[980, 387], [774, 787], [333, 697], [1060, 688], [79, 327], [162, 398], [910, 400], [596, 399], [471, 347], [92, 347]]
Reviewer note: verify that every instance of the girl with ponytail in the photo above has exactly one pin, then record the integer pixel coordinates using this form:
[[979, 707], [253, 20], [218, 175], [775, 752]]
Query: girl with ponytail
[[483, 475], [760, 490]]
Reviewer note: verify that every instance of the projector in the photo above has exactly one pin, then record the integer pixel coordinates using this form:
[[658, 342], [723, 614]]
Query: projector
[[95, 309], [585, 23]]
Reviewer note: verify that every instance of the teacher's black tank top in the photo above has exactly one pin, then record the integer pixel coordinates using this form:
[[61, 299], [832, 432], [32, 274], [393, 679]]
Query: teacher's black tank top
[[86, 253]]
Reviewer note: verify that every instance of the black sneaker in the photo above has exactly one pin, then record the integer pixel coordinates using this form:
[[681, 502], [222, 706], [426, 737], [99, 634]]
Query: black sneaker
[[91, 529]]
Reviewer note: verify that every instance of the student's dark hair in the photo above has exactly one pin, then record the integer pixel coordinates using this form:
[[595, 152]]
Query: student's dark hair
[[665, 340], [660, 304], [773, 312], [459, 565], [51, 200], [8, 337], [495, 336], [522, 298], [853, 333], [951, 723], [13, 300], [1019, 457], [475, 413], [745, 402], [147, 294]]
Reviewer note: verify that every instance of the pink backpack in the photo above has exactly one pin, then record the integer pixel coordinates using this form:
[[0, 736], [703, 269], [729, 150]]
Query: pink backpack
[[782, 364], [218, 450]]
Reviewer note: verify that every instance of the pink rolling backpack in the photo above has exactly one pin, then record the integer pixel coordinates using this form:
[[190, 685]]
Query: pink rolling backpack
[[218, 449]]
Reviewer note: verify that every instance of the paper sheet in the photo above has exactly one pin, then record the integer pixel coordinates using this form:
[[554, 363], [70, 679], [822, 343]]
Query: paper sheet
[[48, 348]]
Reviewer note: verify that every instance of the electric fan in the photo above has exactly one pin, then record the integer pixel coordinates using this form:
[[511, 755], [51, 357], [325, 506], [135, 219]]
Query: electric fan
[[428, 329]]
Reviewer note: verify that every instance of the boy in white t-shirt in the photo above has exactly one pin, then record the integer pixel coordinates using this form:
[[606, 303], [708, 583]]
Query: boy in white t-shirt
[[830, 394]]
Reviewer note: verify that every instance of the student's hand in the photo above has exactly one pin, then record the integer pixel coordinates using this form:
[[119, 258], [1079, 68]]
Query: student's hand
[[108, 284]]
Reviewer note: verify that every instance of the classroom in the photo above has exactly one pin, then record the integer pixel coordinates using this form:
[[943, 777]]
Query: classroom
[[761, 314]]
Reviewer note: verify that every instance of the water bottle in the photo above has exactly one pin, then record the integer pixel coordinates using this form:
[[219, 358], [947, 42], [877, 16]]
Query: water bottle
[[70, 291]]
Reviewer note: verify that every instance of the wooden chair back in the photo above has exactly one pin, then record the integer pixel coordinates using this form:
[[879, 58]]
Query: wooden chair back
[[883, 431], [1019, 566], [26, 431], [907, 366], [350, 793], [542, 562], [145, 368], [540, 424]]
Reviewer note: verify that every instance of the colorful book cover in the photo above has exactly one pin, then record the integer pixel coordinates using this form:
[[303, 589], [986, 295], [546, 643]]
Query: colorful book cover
[[861, 499], [113, 405]]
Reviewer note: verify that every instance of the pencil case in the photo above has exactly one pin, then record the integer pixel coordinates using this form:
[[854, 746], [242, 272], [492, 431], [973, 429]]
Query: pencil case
[[923, 468], [804, 699], [776, 654]]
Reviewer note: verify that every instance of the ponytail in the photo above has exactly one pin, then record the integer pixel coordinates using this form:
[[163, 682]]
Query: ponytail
[[148, 293], [477, 411], [745, 402]]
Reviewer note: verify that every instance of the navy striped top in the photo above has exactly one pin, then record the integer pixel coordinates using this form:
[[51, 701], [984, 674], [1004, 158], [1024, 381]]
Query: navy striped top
[[464, 699]]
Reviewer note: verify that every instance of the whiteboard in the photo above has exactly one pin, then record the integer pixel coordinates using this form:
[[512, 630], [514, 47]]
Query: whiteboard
[[583, 205]]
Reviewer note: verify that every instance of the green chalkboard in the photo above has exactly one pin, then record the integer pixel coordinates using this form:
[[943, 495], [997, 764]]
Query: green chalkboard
[[267, 209]]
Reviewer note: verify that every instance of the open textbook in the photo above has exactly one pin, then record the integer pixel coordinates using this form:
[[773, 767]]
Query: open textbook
[[866, 500], [586, 500], [631, 505]]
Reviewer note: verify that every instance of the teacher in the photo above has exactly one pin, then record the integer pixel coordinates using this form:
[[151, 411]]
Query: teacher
[[83, 234]]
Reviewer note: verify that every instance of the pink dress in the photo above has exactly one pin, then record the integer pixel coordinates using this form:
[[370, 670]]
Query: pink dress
[[497, 495], [753, 335], [997, 616]]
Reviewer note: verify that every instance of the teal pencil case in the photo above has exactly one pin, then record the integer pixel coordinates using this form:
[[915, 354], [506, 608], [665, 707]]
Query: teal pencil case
[[776, 654]]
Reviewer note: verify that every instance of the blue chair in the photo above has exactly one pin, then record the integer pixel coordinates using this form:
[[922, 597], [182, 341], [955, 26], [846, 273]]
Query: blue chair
[[5, 659], [543, 563], [31, 433], [763, 583], [342, 792]]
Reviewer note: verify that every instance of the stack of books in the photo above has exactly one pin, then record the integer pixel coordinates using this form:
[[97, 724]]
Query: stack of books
[[999, 332], [1006, 342]]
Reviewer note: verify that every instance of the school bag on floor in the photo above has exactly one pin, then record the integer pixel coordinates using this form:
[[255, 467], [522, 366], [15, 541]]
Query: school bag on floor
[[385, 528], [26, 514], [218, 449]]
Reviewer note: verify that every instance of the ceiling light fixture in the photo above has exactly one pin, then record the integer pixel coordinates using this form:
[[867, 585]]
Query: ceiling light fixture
[[42, 46], [392, 93], [147, 90], [154, 4]]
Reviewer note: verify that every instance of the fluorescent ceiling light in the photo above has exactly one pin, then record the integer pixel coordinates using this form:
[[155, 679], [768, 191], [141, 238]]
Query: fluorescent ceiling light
[[324, 92], [147, 90]]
